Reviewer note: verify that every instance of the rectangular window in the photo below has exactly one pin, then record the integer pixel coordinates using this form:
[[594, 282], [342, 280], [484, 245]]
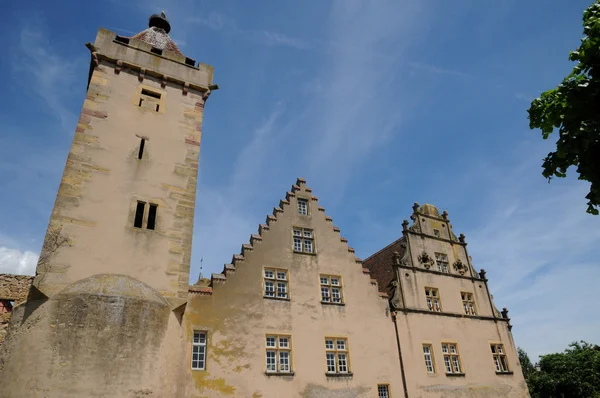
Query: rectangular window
[[331, 289], [468, 303], [428, 354], [441, 261], [451, 358], [302, 207], [152, 216], [279, 353], [139, 214], [499, 358], [436, 233], [433, 299], [149, 99], [336, 355], [199, 351], [383, 391], [276, 283], [303, 240]]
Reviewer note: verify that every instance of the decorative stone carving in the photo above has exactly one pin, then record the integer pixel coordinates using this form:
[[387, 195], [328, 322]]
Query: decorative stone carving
[[405, 260], [460, 267], [396, 300], [426, 260]]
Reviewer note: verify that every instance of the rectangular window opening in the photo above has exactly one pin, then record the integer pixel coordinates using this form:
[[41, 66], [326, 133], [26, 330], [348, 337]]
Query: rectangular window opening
[[336, 355], [441, 261], [122, 39], [156, 50], [276, 283], [302, 207], [383, 391], [499, 358], [468, 303], [139, 214], [331, 289], [428, 355], [157, 106], [279, 353], [152, 216], [199, 351], [451, 358], [189, 61], [150, 93], [141, 101], [303, 240], [434, 303], [141, 152]]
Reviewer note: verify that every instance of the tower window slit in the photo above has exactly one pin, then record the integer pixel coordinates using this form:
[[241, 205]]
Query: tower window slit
[[152, 216], [143, 141], [141, 101], [139, 214]]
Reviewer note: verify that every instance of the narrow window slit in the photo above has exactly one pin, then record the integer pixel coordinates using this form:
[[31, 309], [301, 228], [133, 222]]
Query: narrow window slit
[[141, 152], [141, 100], [157, 105], [139, 214], [152, 216]]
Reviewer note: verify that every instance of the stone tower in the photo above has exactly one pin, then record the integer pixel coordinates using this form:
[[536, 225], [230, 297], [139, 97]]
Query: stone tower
[[103, 317]]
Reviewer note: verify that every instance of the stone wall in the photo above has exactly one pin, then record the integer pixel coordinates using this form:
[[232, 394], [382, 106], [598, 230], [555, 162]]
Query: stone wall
[[13, 288]]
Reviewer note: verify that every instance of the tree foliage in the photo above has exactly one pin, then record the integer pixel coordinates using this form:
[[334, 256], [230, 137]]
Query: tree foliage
[[574, 373], [573, 108]]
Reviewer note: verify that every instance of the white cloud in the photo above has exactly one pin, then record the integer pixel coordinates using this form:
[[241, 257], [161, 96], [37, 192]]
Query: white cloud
[[14, 261]]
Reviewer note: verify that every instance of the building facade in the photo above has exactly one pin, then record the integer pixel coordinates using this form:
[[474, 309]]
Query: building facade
[[110, 312]]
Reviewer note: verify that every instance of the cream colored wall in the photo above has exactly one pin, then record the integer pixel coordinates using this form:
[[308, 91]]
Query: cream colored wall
[[473, 335], [104, 178], [237, 318], [473, 338]]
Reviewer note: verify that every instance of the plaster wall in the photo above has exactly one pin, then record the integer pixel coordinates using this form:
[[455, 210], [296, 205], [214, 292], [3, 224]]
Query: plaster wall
[[237, 318]]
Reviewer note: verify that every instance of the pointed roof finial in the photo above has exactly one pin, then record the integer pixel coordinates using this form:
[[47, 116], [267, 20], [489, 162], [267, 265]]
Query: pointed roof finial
[[159, 21]]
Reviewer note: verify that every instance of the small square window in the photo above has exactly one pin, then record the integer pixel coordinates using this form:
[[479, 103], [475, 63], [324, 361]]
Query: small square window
[[436, 233]]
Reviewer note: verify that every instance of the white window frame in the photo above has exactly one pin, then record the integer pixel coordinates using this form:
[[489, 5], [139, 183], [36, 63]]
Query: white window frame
[[452, 358], [434, 301], [441, 260], [499, 356], [383, 391], [428, 357], [276, 286], [275, 346], [337, 355], [303, 240], [199, 347], [303, 206], [331, 289], [468, 300]]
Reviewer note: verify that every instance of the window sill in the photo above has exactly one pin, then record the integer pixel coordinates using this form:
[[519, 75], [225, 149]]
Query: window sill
[[349, 374], [455, 374], [506, 373], [280, 373], [277, 298], [330, 303], [307, 253]]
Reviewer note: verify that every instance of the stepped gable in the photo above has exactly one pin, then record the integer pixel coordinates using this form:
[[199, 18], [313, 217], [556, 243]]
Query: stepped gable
[[263, 229]]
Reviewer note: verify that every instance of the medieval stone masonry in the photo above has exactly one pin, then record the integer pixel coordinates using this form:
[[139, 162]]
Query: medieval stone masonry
[[110, 312]]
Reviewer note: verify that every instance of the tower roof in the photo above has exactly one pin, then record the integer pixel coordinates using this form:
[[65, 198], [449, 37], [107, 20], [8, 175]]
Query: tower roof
[[157, 34]]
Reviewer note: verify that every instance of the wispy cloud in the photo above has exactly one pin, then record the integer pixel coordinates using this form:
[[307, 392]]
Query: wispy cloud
[[218, 21], [52, 75], [437, 70]]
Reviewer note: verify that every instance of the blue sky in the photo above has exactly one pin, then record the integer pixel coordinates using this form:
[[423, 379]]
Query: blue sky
[[378, 104]]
